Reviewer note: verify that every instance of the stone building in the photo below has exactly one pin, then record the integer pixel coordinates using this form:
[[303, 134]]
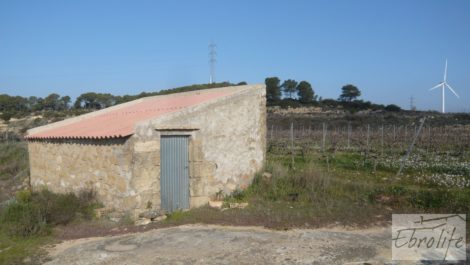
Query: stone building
[[164, 152]]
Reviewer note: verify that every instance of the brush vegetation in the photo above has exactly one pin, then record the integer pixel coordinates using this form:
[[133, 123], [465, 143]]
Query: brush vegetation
[[321, 190], [14, 168], [26, 221]]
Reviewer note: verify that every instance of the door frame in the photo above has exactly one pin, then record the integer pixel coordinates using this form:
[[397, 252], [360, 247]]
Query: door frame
[[189, 135]]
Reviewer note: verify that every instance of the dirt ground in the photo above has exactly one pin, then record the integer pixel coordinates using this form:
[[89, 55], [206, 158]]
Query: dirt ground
[[211, 244]]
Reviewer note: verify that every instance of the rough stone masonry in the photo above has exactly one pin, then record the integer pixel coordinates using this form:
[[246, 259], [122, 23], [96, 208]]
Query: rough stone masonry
[[227, 142]]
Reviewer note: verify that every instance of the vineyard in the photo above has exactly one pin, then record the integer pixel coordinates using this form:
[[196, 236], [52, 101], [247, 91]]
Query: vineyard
[[444, 150], [376, 139], [324, 170], [403, 168]]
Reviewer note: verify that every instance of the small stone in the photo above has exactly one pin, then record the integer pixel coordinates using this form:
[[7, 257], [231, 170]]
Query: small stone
[[150, 214], [143, 221], [115, 216], [160, 218], [239, 205], [267, 175], [216, 204], [115, 219], [100, 212], [361, 263]]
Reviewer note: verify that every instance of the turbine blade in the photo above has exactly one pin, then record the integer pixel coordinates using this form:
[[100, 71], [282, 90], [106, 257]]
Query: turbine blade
[[453, 91], [438, 85], [445, 72]]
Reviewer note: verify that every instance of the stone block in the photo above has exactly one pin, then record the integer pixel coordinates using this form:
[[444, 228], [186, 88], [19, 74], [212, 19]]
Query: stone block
[[148, 146], [203, 169], [216, 204], [160, 218], [144, 180], [130, 202], [198, 201], [213, 188], [142, 221], [149, 196], [146, 159], [101, 212], [197, 187], [230, 186], [120, 184], [196, 153]]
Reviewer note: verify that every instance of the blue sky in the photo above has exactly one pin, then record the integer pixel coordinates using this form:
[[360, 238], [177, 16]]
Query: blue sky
[[390, 49]]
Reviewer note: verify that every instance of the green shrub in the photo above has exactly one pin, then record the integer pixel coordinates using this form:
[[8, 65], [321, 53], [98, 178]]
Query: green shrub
[[57, 208], [13, 161], [460, 202], [88, 204], [239, 195], [7, 115], [23, 196], [236, 196], [23, 219], [392, 108], [34, 213], [429, 199], [289, 103], [397, 190], [372, 195]]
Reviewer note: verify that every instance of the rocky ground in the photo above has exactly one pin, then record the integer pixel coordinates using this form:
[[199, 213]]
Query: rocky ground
[[203, 244], [213, 244]]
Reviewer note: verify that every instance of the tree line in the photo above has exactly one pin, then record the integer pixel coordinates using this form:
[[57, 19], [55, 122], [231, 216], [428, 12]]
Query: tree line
[[291, 93], [17, 106]]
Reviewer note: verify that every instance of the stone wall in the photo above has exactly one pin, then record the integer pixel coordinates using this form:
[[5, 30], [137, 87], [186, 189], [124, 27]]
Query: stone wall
[[73, 165], [227, 141], [226, 148], [146, 175]]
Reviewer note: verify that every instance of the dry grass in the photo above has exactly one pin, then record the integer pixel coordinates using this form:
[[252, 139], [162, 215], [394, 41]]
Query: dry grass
[[14, 168]]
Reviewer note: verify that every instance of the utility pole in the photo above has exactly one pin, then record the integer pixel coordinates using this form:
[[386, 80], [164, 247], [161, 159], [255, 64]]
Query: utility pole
[[349, 134], [412, 104], [212, 61], [292, 143], [410, 148]]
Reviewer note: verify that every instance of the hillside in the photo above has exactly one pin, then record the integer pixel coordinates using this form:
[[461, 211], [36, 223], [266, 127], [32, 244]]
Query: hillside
[[315, 116], [15, 128], [13, 157]]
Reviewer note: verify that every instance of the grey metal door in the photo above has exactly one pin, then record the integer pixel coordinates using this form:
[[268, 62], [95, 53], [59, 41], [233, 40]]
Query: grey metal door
[[174, 177]]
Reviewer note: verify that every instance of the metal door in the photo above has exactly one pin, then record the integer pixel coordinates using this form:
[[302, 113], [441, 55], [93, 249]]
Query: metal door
[[174, 175]]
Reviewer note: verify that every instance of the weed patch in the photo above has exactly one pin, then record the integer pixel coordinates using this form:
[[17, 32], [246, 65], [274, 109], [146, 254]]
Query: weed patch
[[34, 213], [14, 250]]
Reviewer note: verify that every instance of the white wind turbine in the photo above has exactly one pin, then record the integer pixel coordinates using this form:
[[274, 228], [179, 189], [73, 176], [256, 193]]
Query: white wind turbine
[[443, 86]]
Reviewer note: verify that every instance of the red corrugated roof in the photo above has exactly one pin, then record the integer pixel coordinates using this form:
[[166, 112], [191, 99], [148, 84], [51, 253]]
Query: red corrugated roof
[[120, 122]]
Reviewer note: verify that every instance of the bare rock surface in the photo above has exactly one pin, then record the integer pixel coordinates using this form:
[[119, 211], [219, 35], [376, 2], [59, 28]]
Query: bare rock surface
[[209, 244], [212, 244]]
